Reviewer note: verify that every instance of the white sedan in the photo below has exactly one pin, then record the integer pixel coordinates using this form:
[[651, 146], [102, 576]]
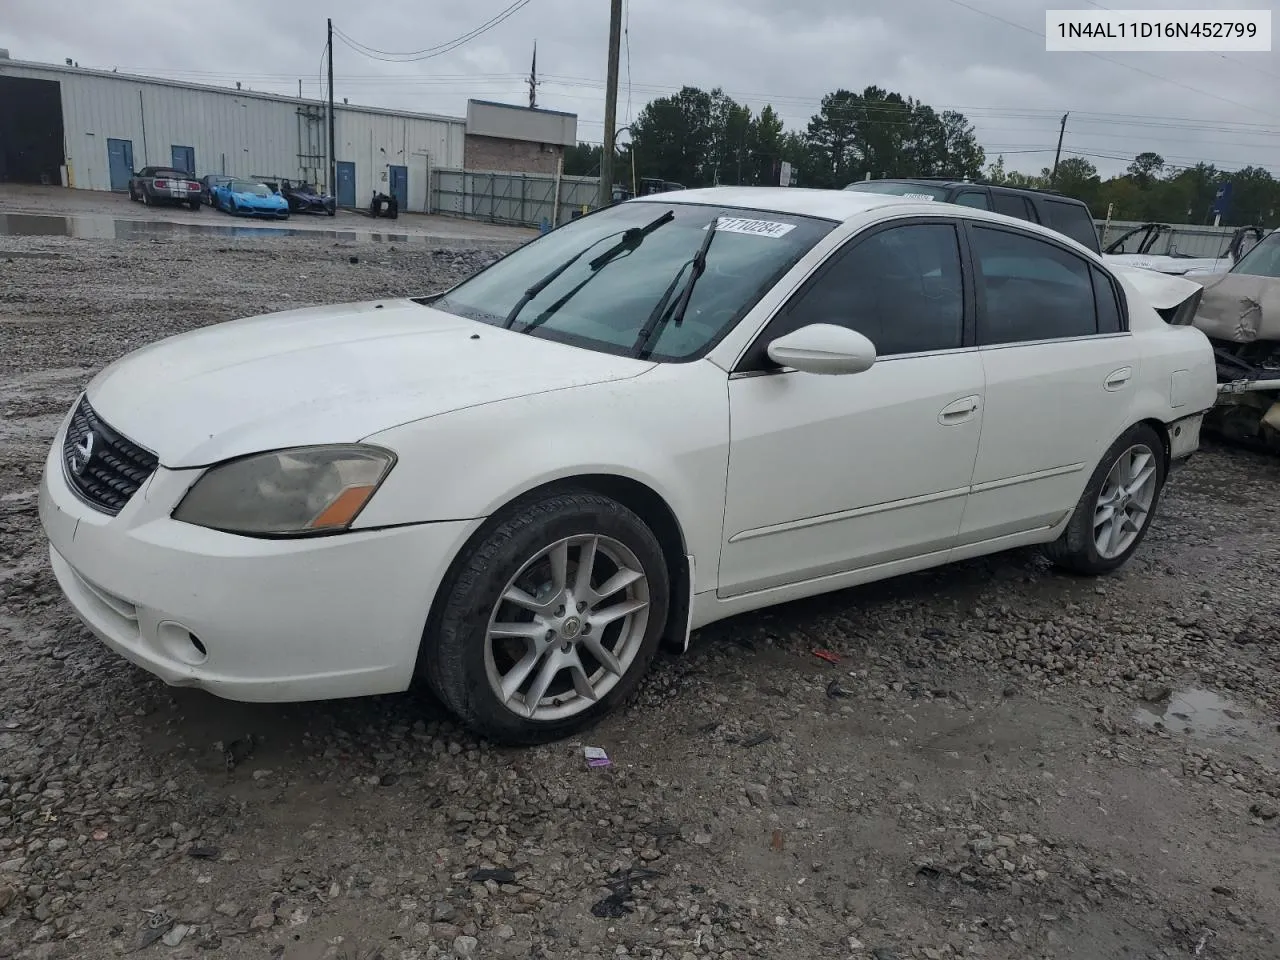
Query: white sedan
[[674, 410]]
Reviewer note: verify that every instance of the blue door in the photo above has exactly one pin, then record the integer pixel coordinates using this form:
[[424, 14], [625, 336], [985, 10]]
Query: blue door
[[120, 163], [346, 192], [184, 158], [400, 186]]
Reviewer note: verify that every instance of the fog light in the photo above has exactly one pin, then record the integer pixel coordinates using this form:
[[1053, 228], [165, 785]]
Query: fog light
[[181, 644]]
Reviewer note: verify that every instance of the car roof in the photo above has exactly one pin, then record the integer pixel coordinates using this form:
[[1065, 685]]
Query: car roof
[[844, 205], [837, 205]]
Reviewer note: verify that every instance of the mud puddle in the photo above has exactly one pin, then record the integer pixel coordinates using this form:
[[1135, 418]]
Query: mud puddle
[[1198, 713]]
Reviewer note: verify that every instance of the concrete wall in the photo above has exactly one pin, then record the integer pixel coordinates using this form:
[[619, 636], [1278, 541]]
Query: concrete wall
[[240, 132], [517, 156]]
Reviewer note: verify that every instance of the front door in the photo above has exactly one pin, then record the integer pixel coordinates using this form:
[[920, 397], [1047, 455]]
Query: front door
[[1060, 369], [346, 192], [399, 177], [830, 474], [120, 163], [184, 158]]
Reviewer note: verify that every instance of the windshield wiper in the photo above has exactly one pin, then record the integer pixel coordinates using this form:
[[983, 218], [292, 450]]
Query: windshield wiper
[[659, 316], [631, 238]]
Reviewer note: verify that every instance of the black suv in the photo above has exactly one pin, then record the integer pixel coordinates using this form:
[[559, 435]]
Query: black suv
[[1055, 210]]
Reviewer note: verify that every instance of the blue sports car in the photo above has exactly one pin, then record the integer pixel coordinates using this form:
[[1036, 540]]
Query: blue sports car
[[245, 197]]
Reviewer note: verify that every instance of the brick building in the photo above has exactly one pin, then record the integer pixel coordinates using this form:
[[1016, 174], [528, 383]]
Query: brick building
[[501, 136]]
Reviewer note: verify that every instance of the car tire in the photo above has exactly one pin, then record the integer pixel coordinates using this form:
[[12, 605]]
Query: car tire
[[146, 197], [133, 194], [194, 205], [476, 638], [1090, 545], [232, 208]]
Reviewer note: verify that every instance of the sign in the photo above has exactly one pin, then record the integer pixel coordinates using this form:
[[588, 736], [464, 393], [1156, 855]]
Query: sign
[[755, 228], [784, 174], [1222, 200]]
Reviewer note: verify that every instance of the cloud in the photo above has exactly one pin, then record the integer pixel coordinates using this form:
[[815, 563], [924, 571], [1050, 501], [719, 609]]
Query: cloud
[[1219, 108]]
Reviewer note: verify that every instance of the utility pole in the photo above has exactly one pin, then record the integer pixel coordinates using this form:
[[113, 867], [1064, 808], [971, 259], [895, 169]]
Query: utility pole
[[1053, 177], [333, 160], [533, 79], [610, 104]]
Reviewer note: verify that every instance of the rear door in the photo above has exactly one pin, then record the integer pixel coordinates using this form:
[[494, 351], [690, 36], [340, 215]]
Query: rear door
[[973, 197], [1060, 368]]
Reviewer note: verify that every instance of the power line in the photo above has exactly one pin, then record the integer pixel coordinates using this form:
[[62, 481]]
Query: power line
[[1221, 56], [439, 49], [1118, 63]]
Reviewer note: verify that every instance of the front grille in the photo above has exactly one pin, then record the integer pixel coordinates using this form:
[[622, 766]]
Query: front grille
[[103, 467]]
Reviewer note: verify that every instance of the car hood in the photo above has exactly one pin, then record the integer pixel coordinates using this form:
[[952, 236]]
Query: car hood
[[331, 374], [255, 198], [1176, 266]]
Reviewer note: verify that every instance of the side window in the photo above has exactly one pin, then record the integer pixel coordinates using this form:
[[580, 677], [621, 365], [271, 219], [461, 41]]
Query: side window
[[1105, 296], [900, 287], [1073, 220], [1033, 290], [1012, 205], [973, 198]]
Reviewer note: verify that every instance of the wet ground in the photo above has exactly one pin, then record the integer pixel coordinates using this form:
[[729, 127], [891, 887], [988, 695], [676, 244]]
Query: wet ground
[[95, 215], [989, 760]]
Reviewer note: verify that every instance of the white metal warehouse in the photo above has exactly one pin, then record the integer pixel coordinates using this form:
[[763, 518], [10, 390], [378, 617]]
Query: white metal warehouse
[[91, 128]]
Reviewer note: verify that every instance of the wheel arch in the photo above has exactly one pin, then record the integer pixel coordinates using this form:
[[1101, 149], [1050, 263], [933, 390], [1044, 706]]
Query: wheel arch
[[640, 498]]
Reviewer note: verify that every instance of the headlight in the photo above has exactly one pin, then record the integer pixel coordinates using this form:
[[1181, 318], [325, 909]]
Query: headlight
[[287, 493]]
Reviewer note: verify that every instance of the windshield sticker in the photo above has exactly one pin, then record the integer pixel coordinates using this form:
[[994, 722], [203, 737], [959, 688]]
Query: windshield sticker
[[917, 196], [757, 228]]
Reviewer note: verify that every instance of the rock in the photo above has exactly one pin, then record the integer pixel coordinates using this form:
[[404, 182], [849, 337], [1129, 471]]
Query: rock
[[263, 921], [1265, 811], [57, 845], [504, 931], [702, 839], [8, 895], [443, 912], [757, 793], [175, 934], [1156, 692], [228, 909], [465, 947]]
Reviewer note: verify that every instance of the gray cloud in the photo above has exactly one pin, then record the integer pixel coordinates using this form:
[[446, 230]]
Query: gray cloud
[[1219, 108]]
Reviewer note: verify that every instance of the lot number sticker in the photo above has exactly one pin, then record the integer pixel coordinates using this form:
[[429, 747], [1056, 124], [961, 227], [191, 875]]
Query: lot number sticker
[[756, 228]]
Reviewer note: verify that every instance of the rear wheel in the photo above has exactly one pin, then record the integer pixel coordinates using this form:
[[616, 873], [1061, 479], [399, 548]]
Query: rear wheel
[[146, 197], [1115, 511], [550, 619], [194, 204]]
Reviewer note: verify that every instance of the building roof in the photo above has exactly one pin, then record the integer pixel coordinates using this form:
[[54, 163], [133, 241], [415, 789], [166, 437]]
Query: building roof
[[213, 88], [516, 106]]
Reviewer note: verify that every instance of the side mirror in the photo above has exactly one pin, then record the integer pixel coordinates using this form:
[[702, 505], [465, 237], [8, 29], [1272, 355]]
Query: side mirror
[[823, 348]]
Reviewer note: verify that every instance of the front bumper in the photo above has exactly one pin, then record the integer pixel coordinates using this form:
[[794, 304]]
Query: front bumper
[[272, 620]]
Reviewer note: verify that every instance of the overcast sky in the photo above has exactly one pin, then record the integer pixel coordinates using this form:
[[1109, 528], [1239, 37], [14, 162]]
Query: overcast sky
[[952, 54]]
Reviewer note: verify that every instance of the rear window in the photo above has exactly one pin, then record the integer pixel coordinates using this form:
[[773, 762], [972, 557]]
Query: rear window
[[1072, 220], [914, 191]]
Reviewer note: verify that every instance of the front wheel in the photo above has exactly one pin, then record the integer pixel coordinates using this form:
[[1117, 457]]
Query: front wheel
[[1115, 511], [549, 620]]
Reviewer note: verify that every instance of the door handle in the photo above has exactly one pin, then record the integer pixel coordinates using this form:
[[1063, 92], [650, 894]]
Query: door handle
[[958, 411], [1117, 378]]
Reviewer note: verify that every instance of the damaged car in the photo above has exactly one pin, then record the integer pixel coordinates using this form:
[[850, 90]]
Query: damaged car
[[1133, 248], [1239, 311], [670, 411]]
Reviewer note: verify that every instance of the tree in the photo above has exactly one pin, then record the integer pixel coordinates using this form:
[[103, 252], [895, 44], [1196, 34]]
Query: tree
[[1145, 168], [831, 141], [582, 160]]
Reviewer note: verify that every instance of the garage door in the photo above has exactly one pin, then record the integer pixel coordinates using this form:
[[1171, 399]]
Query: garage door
[[31, 138]]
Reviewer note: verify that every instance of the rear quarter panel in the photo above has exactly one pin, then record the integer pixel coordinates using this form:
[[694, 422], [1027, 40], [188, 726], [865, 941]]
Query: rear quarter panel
[[1177, 376]]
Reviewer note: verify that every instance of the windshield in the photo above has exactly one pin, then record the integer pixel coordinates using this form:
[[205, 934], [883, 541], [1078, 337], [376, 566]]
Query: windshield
[[244, 186], [1263, 260], [915, 191], [603, 300]]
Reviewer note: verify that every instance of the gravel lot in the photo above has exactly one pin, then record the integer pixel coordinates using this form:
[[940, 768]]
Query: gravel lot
[[993, 769]]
